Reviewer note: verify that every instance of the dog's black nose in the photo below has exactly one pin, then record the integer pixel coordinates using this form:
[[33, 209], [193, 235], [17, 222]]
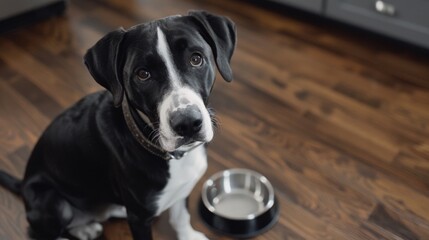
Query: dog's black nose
[[186, 122]]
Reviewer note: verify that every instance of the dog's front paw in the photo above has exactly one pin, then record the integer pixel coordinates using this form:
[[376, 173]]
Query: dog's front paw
[[87, 232], [193, 235]]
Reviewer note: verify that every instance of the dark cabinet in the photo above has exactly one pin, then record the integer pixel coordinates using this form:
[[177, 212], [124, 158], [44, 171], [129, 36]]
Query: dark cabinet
[[407, 20], [309, 5]]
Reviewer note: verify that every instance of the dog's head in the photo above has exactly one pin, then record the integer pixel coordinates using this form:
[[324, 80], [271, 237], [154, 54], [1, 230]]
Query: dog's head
[[166, 69]]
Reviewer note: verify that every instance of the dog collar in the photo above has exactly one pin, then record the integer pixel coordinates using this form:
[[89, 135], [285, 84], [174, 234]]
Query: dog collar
[[146, 143]]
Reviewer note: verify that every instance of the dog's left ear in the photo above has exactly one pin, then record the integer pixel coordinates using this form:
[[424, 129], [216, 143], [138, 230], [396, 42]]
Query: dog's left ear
[[220, 34], [102, 61]]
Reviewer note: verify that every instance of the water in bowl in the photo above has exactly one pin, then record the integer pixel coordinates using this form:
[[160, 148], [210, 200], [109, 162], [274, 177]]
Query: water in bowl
[[238, 205]]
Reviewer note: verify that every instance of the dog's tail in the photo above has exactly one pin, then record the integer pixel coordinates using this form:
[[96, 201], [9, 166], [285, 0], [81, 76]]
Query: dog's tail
[[9, 182]]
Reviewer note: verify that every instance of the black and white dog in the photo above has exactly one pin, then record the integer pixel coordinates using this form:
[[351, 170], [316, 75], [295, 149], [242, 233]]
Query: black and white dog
[[138, 150]]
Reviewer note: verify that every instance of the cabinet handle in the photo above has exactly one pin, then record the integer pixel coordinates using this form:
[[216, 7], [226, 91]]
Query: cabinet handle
[[385, 8]]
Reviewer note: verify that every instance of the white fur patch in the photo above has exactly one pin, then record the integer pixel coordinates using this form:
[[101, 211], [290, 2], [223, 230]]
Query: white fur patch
[[184, 174], [180, 220], [87, 232]]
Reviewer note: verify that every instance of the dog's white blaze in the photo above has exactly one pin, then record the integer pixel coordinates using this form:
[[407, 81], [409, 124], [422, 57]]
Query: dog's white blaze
[[168, 138], [165, 53]]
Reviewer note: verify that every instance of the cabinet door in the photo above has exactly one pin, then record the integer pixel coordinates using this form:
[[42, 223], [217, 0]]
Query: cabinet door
[[407, 20], [309, 5]]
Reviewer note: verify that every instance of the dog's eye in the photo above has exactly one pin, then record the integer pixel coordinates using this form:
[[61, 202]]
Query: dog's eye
[[196, 60], [143, 74]]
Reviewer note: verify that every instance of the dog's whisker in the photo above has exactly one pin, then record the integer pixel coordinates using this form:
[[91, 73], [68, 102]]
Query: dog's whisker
[[215, 121], [154, 135]]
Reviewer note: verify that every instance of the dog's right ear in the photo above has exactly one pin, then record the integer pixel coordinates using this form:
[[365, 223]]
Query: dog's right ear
[[102, 61]]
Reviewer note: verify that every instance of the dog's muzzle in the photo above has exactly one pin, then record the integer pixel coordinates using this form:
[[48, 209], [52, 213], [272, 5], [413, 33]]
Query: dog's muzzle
[[184, 119]]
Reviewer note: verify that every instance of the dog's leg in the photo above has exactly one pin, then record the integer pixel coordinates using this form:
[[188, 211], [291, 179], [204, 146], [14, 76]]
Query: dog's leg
[[180, 220], [48, 213], [141, 227]]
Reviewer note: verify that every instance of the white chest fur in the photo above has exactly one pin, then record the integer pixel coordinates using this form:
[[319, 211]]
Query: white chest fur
[[184, 174]]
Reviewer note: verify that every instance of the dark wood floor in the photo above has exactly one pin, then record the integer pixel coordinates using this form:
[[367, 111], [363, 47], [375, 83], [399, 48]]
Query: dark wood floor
[[338, 120]]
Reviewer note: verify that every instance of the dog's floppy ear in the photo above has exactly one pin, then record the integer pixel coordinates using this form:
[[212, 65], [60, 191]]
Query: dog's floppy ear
[[102, 61], [220, 33]]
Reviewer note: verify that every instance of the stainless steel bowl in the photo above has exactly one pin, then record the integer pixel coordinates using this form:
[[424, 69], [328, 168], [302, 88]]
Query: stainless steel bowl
[[239, 202]]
